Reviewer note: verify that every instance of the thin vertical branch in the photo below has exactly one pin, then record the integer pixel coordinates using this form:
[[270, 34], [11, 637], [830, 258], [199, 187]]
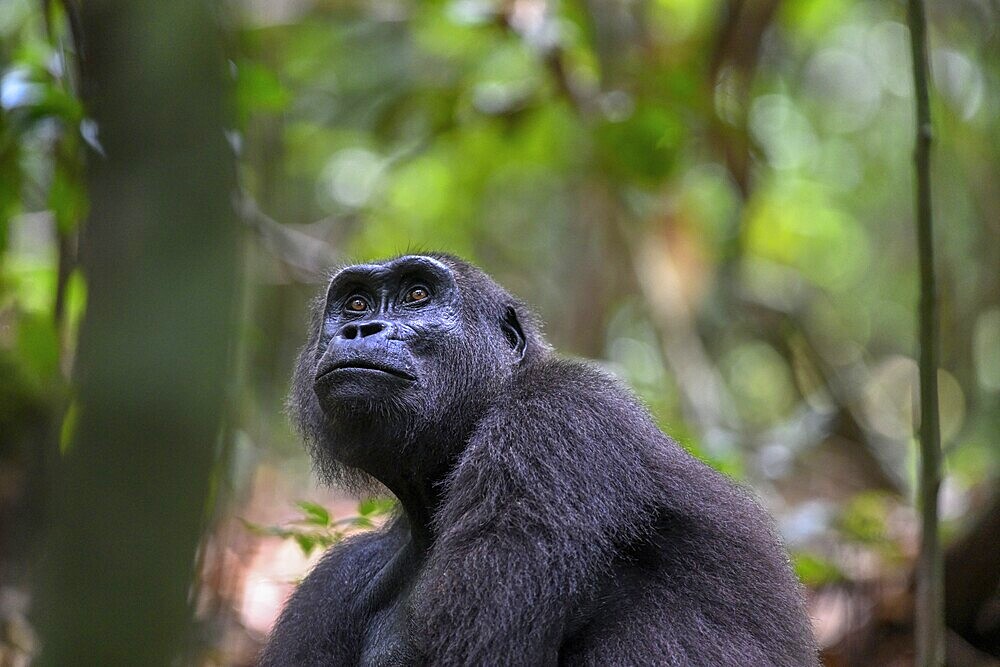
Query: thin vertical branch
[[930, 579]]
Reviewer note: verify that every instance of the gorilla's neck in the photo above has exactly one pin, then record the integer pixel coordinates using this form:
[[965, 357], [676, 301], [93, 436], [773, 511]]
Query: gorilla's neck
[[419, 498], [412, 466]]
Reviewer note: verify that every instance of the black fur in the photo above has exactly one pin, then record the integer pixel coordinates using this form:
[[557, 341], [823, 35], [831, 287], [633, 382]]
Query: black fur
[[545, 519]]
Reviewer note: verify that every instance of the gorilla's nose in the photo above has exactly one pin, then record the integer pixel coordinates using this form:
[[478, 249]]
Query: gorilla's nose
[[360, 348], [362, 330]]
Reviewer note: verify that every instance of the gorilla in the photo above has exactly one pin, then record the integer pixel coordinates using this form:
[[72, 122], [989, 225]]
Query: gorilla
[[544, 519]]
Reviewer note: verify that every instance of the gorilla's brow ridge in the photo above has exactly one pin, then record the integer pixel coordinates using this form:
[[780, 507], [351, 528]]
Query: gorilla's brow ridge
[[400, 266]]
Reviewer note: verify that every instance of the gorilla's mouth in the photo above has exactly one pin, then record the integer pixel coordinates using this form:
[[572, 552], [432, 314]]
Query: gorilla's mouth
[[364, 365]]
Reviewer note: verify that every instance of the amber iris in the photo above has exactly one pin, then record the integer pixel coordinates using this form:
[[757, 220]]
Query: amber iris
[[417, 294]]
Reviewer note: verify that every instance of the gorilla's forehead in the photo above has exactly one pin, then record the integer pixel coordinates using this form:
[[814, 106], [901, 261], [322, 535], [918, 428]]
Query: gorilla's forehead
[[381, 271]]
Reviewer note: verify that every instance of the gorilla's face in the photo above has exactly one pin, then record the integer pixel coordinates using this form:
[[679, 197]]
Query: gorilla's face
[[388, 331], [405, 357]]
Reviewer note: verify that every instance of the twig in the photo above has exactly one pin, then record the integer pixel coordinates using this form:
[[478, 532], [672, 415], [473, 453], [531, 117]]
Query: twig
[[706, 401], [930, 578], [553, 56], [309, 259]]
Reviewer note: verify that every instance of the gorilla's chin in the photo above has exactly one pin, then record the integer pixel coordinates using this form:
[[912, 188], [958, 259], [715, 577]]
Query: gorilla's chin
[[355, 384]]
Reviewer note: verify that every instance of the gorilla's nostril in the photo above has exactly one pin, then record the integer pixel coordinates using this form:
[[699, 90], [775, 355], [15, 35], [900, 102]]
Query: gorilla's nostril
[[370, 328], [352, 331]]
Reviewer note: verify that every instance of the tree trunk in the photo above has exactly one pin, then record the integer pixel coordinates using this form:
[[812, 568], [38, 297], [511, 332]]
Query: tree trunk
[[160, 255]]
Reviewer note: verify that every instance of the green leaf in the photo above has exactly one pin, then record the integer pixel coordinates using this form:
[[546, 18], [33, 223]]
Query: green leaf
[[306, 542], [259, 90], [67, 199], [642, 147], [68, 429], [38, 347], [315, 513], [814, 570], [866, 516], [56, 102], [10, 183], [371, 507]]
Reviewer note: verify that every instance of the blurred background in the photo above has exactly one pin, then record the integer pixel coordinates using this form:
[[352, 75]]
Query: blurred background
[[713, 199]]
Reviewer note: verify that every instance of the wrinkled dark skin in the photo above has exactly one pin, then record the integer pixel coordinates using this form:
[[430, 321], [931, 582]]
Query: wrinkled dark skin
[[544, 518]]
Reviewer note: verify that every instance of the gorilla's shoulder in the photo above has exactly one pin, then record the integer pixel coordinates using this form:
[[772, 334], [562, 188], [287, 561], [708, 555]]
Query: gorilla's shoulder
[[571, 411], [570, 381], [580, 399]]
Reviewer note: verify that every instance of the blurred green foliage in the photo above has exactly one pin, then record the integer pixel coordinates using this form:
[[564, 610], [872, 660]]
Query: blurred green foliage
[[714, 199], [317, 529]]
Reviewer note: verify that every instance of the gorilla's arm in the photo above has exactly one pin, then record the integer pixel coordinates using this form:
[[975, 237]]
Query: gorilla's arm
[[321, 623], [552, 481]]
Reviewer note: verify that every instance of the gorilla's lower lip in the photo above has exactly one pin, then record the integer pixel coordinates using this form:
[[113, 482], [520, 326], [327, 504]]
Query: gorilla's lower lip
[[369, 366]]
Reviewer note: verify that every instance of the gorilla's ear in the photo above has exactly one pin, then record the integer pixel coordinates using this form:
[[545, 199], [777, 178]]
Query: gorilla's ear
[[512, 330]]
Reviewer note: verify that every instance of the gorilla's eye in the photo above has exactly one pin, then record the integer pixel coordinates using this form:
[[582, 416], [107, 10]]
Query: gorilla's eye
[[356, 305], [417, 294]]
